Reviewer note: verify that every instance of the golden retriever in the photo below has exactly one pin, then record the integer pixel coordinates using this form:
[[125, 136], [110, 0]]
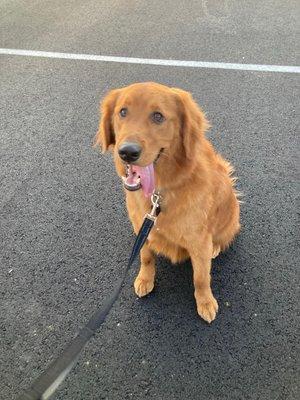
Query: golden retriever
[[157, 135]]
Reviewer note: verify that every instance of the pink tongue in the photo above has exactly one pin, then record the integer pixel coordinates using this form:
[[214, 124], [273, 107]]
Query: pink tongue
[[146, 175]]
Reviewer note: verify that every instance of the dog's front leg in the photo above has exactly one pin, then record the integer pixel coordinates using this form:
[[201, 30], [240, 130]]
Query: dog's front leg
[[201, 253], [144, 282]]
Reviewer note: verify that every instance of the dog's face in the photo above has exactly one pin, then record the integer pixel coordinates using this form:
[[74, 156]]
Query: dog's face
[[142, 120]]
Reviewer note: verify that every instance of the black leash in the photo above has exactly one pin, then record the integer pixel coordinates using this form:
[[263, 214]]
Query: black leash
[[47, 383]]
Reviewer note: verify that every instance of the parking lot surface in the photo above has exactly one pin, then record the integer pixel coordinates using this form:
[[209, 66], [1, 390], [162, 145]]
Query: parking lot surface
[[65, 236]]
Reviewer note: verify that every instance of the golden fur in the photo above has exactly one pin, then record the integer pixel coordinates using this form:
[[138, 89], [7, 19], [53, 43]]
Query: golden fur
[[200, 210]]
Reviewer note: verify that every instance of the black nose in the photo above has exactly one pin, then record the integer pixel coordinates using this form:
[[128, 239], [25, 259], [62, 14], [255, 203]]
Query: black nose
[[130, 152]]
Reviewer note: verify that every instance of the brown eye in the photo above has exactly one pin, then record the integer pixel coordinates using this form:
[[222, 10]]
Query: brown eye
[[157, 117], [123, 112]]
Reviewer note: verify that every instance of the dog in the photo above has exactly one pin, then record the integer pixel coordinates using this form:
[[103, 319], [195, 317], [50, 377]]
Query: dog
[[157, 136]]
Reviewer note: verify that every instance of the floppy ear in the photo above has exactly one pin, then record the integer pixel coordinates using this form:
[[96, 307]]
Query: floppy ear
[[105, 136], [193, 123]]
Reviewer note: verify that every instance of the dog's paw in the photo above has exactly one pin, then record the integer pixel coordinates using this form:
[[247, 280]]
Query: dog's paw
[[207, 309], [143, 287]]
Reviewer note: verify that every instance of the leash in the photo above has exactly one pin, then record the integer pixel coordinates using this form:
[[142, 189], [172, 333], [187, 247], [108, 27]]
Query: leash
[[47, 383]]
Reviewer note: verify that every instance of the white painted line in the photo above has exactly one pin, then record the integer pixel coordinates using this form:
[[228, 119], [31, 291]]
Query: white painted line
[[154, 61]]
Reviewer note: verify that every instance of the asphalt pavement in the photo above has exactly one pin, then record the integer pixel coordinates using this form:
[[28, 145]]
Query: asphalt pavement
[[65, 236]]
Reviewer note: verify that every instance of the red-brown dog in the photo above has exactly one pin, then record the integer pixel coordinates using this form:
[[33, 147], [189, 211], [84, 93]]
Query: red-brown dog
[[157, 136]]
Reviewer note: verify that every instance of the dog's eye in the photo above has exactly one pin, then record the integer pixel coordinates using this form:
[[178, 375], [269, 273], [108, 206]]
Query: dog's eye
[[157, 117], [123, 112]]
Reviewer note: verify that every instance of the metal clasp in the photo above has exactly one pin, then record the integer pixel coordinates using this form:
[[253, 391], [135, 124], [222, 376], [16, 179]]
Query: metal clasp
[[155, 204]]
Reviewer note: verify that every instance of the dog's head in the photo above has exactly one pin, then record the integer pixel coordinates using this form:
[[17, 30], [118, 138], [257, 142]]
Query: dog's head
[[141, 119], [146, 124]]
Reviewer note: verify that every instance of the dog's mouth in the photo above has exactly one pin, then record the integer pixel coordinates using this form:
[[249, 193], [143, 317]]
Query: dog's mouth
[[140, 177]]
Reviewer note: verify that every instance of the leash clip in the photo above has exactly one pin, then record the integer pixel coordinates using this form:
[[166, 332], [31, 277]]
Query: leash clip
[[155, 205]]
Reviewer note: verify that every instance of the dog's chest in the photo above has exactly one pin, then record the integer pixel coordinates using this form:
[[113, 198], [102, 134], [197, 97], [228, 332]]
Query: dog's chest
[[169, 224]]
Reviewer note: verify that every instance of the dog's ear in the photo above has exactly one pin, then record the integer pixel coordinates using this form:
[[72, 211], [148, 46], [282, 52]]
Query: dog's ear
[[105, 136], [193, 123]]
